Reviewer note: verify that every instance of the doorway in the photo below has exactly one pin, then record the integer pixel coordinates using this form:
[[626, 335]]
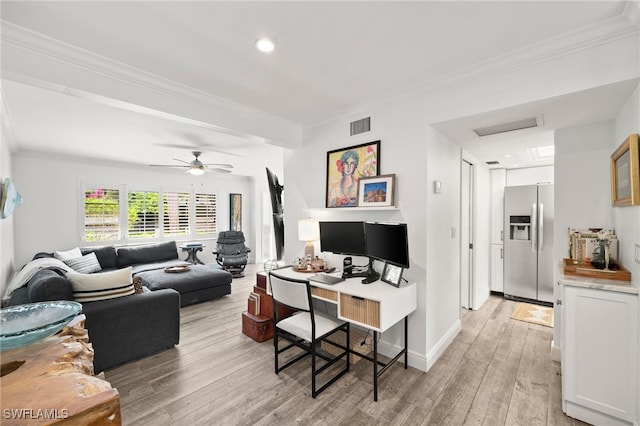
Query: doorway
[[466, 235]]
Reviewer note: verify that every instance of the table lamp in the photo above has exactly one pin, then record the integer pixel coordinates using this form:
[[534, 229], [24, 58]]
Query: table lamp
[[309, 231]]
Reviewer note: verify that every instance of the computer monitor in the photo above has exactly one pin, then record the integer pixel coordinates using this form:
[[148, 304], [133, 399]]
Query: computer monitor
[[343, 238], [388, 242]]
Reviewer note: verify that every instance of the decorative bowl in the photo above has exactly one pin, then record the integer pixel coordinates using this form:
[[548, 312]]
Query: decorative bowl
[[25, 324]]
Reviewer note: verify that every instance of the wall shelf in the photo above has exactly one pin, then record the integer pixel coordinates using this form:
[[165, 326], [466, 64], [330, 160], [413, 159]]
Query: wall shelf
[[358, 209]]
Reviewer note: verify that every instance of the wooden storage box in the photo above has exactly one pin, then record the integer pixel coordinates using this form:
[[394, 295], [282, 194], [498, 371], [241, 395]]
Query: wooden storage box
[[585, 269], [259, 328]]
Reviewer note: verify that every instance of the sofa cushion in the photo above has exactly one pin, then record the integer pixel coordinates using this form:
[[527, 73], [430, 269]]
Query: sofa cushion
[[102, 285], [68, 254], [198, 277], [106, 255], [147, 254], [85, 264], [48, 285]]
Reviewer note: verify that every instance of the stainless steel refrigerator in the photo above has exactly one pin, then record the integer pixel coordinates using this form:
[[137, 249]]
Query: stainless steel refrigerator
[[528, 242]]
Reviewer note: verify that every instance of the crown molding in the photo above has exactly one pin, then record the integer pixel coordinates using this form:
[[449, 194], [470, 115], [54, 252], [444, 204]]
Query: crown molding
[[623, 26], [34, 43]]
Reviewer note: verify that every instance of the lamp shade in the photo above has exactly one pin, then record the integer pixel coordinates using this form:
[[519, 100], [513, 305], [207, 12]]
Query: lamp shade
[[308, 230]]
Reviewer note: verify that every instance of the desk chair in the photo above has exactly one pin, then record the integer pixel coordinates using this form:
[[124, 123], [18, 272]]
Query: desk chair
[[305, 329]]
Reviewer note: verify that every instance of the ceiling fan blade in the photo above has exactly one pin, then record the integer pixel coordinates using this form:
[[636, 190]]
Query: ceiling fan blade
[[182, 161], [172, 166], [226, 166], [220, 170]]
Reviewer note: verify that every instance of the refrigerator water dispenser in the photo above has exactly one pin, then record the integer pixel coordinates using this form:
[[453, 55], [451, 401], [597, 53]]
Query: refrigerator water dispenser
[[520, 228]]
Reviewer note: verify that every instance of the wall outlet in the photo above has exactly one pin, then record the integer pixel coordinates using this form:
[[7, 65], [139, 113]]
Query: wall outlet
[[636, 256]]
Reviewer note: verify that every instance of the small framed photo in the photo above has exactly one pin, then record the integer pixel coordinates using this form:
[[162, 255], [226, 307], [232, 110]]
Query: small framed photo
[[392, 274], [376, 191]]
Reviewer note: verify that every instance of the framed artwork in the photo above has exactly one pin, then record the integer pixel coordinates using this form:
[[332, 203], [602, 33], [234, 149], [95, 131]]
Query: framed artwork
[[625, 173], [376, 191], [345, 167], [392, 274], [235, 212]]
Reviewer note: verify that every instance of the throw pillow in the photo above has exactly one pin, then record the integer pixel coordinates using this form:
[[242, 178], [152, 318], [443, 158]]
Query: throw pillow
[[102, 285], [69, 254], [85, 264]]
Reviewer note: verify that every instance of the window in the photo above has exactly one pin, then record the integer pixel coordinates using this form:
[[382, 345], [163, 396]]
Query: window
[[176, 214], [124, 214], [101, 214], [206, 214], [143, 213]]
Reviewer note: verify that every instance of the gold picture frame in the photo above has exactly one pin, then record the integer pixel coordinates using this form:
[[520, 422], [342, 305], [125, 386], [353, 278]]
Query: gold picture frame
[[625, 173]]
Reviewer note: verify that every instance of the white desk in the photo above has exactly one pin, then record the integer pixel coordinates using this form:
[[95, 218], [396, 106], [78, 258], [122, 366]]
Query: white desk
[[376, 306]]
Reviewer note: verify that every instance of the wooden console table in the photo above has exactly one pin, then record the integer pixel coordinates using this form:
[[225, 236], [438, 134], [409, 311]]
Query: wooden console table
[[52, 381]]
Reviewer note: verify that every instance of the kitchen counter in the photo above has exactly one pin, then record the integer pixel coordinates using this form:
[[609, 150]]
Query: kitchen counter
[[596, 283]]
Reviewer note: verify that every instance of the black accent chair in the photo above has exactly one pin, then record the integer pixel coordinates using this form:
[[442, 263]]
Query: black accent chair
[[306, 329], [231, 252]]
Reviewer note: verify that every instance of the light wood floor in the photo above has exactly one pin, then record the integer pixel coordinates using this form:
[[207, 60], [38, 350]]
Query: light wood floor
[[496, 372]]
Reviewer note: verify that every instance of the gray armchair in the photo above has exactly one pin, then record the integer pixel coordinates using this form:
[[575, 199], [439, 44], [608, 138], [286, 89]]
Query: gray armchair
[[231, 252]]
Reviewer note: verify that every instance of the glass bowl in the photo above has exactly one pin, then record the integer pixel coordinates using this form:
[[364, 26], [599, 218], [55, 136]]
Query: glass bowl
[[25, 324]]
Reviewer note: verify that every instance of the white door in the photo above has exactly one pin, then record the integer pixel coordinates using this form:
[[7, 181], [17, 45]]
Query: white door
[[466, 233]]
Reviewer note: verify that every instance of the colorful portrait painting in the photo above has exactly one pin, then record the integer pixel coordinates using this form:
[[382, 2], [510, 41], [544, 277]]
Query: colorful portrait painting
[[345, 167]]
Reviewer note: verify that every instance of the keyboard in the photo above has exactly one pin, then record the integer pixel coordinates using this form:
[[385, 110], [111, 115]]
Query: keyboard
[[326, 279]]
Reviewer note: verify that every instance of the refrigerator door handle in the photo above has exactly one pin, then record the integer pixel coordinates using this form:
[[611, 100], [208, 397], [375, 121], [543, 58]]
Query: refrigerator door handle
[[540, 226], [534, 227]]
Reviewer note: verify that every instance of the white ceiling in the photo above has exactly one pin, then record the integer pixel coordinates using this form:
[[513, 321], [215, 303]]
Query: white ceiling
[[330, 57]]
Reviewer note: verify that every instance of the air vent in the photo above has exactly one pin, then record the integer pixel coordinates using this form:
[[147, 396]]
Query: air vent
[[492, 163], [360, 126], [507, 127]]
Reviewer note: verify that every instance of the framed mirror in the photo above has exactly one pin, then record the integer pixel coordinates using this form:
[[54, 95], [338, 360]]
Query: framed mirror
[[625, 173]]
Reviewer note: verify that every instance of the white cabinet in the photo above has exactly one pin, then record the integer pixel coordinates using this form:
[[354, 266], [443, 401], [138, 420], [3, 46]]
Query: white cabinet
[[498, 182], [496, 268], [600, 355]]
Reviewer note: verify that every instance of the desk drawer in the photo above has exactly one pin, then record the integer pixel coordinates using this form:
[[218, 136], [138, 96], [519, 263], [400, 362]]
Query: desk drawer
[[364, 311], [324, 293]]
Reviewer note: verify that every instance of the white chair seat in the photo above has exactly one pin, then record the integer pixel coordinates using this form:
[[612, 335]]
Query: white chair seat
[[300, 324]]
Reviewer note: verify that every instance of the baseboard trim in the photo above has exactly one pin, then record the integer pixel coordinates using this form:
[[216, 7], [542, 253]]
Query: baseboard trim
[[415, 359], [556, 352], [443, 344]]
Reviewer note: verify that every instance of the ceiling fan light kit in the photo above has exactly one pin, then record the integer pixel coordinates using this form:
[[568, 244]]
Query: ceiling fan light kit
[[197, 167]]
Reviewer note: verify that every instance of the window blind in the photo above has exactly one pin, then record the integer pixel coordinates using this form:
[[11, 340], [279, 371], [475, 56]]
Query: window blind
[[143, 214], [101, 214], [176, 214], [206, 214]]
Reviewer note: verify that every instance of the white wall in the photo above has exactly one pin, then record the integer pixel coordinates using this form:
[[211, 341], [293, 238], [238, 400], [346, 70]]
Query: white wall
[[7, 267], [582, 187], [417, 155], [51, 186], [627, 219]]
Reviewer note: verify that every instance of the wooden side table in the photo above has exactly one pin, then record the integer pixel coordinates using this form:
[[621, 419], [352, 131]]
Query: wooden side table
[[52, 381]]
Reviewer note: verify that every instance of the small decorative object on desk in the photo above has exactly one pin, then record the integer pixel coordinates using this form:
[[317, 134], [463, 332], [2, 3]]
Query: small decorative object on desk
[[309, 265]]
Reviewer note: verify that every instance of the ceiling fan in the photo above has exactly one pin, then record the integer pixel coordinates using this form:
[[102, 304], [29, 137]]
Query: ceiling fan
[[197, 167]]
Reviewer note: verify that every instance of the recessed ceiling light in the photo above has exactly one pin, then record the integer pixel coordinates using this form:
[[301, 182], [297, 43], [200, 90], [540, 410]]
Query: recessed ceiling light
[[265, 45]]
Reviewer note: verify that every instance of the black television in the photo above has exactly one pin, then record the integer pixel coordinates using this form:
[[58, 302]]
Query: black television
[[275, 190], [388, 242], [343, 238]]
